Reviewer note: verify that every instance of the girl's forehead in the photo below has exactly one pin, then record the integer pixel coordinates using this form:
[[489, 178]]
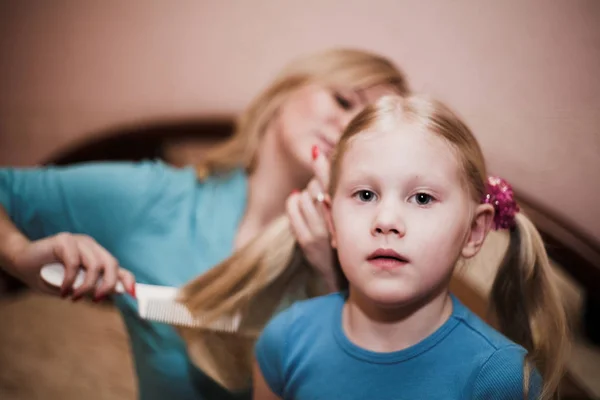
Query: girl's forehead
[[405, 149]]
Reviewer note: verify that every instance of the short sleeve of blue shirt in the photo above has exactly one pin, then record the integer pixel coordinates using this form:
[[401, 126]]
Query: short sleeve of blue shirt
[[501, 376], [271, 349], [103, 199]]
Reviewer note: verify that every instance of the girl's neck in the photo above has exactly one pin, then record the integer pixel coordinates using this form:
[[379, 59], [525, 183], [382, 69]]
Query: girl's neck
[[269, 185], [385, 330]]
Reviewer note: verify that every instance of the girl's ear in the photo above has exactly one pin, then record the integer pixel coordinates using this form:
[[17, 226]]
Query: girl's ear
[[481, 225]]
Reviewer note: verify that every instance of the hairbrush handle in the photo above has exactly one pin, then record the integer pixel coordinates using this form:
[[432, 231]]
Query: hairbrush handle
[[54, 275]]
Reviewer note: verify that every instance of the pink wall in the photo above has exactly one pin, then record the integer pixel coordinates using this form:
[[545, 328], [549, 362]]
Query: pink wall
[[524, 74]]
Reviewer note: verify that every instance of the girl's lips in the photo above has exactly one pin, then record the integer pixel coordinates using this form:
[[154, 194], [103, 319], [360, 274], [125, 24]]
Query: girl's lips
[[387, 263], [387, 259]]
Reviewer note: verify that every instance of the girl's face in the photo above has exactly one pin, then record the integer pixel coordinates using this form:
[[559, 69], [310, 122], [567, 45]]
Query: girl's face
[[315, 115], [401, 215]]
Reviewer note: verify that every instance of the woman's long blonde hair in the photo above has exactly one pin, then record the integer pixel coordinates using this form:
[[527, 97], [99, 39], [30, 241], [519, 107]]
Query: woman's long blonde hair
[[270, 269], [524, 297]]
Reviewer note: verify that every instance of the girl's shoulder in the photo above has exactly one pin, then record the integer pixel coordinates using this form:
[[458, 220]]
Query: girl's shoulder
[[305, 316], [316, 309]]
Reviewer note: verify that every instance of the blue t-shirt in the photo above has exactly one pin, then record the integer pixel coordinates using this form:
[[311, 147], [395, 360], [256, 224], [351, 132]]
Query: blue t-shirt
[[160, 222], [303, 353]]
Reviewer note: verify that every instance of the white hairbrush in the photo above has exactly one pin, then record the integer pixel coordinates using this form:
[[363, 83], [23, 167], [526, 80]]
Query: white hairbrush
[[155, 303]]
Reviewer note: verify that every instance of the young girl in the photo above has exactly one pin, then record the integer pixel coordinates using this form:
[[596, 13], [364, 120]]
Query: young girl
[[409, 197], [167, 225]]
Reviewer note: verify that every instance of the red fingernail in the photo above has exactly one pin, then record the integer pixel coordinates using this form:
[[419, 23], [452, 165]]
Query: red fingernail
[[295, 191], [132, 291], [315, 152]]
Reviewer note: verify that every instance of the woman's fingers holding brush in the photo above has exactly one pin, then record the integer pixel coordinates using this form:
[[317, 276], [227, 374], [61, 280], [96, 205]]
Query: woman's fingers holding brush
[[93, 265], [76, 253], [103, 272], [128, 280], [108, 270], [100, 267]]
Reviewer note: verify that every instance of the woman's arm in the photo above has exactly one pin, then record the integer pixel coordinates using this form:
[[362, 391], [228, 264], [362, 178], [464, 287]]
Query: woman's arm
[[12, 242]]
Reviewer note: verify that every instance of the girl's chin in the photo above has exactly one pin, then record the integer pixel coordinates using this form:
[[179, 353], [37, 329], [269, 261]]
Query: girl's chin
[[389, 294]]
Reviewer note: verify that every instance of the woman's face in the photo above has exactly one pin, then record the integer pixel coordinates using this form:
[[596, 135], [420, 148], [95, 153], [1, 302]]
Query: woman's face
[[315, 115]]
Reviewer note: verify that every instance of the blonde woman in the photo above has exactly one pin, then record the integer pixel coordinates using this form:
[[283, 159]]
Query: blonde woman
[[167, 226]]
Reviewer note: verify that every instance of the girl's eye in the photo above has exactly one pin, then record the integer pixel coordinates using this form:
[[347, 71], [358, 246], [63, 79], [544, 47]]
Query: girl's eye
[[343, 102], [423, 199], [365, 195]]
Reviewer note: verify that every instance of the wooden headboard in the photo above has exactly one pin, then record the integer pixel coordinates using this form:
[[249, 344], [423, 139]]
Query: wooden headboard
[[181, 143]]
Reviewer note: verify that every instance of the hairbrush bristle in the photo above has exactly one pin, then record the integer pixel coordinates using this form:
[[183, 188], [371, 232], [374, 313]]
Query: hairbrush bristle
[[173, 313]]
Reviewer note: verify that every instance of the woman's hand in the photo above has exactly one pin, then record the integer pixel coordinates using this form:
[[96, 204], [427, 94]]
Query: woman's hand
[[305, 211], [74, 252]]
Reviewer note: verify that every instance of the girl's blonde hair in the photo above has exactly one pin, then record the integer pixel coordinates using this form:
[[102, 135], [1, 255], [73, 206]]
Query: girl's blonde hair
[[524, 297], [270, 269]]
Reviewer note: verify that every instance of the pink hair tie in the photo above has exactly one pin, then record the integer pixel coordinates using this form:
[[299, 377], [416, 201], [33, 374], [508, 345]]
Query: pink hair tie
[[500, 195]]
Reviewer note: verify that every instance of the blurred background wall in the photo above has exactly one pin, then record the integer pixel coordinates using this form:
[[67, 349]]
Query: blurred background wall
[[524, 74]]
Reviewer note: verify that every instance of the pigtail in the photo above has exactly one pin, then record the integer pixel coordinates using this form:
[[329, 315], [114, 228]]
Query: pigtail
[[528, 309]]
